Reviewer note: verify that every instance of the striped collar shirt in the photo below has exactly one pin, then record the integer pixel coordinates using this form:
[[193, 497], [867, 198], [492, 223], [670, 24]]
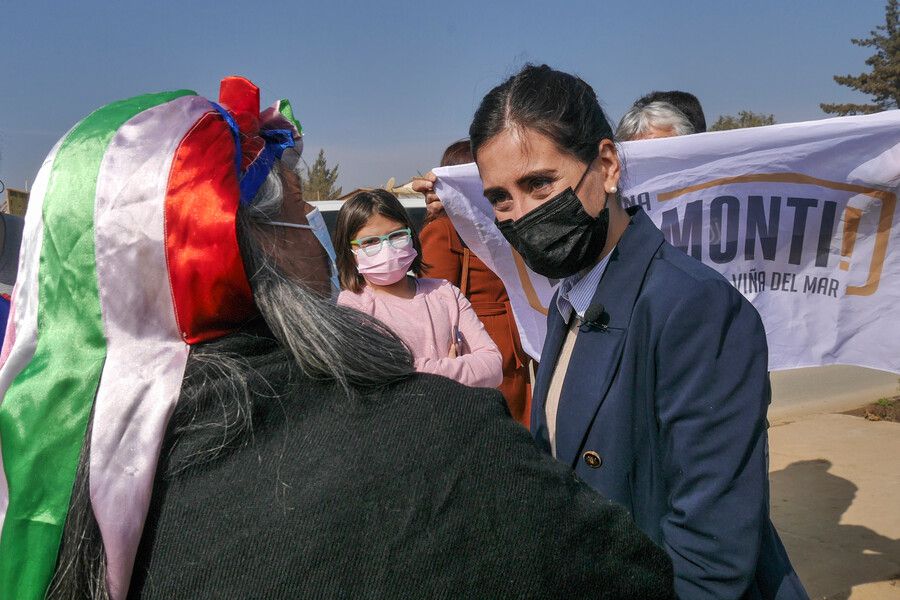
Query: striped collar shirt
[[577, 291]]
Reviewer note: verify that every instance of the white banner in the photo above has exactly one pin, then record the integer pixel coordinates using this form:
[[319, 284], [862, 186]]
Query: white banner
[[801, 218]]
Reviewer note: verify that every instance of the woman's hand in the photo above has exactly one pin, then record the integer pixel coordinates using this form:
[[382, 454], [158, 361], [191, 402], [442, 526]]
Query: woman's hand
[[454, 350], [425, 185]]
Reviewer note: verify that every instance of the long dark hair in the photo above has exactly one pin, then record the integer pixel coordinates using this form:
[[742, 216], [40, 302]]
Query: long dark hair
[[559, 105], [352, 217], [321, 338]]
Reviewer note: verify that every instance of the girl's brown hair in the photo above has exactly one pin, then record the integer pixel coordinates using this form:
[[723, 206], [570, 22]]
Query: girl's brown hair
[[352, 217]]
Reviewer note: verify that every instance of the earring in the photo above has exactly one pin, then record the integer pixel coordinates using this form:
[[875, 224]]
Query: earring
[[613, 190]]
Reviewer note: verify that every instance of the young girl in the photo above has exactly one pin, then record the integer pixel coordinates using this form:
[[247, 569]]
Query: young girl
[[376, 247]]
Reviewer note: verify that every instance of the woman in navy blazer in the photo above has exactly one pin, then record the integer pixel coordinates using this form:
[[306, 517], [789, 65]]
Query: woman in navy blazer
[[653, 383]]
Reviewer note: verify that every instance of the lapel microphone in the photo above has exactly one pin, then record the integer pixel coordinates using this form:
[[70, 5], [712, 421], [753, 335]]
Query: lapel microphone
[[595, 318]]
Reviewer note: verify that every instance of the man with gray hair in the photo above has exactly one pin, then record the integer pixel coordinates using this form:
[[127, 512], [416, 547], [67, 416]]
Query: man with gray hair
[[653, 120], [686, 102]]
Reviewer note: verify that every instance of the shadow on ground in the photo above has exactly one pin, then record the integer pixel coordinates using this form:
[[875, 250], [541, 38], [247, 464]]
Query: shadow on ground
[[830, 558]]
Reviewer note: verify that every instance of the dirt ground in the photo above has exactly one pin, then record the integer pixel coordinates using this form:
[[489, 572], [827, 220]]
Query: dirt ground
[[885, 409], [834, 490]]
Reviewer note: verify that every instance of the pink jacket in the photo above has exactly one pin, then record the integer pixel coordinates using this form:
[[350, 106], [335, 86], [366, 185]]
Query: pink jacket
[[426, 322]]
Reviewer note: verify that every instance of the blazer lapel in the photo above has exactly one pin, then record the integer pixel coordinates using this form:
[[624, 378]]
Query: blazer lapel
[[556, 334], [595, 359], [598, 352]]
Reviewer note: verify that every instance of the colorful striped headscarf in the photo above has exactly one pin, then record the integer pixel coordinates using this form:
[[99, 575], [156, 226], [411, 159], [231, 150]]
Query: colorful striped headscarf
[[129, 257]]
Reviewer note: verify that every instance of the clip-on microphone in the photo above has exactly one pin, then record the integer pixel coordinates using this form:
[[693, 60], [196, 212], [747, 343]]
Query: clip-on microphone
[[595, 317]]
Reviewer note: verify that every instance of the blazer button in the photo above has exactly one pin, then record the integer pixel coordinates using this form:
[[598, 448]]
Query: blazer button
[[592, 459]]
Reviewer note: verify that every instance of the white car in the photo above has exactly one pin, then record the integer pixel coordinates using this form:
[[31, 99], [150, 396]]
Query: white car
[[329, 209]]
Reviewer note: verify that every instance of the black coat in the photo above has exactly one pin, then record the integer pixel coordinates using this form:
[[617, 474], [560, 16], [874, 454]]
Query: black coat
[[425, 489]]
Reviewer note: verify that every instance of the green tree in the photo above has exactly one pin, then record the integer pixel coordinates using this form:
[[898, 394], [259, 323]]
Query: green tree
[[744, 118], [320, 184], [883, 82]]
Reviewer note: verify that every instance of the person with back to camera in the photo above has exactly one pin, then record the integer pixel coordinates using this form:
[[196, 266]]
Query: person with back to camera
[[449, 258], [652, 383], [376, 247], [241, 435]]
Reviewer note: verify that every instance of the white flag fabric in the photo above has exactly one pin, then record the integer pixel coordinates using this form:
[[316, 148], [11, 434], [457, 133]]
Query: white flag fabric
[[801, 218]]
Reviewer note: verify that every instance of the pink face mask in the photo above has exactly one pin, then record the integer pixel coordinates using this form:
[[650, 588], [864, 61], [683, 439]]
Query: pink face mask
[[388, 266]]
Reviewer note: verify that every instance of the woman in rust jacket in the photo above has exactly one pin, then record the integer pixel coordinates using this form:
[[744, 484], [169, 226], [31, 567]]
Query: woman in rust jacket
[[448, 258]]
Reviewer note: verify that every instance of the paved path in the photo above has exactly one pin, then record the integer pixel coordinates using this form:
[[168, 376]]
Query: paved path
[[800, 392], [836, 503]]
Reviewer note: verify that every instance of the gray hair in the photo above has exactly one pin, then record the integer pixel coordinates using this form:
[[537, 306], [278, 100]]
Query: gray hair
[[322, 338], [660, 115]]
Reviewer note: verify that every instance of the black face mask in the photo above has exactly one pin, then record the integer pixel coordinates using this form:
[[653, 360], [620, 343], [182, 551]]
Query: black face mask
[[558, 238]]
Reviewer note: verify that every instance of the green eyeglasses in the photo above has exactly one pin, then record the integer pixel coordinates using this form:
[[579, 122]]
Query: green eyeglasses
[[372, 244]]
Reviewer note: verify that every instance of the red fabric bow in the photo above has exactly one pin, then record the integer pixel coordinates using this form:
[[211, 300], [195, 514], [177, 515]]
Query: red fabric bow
[[210, 288]]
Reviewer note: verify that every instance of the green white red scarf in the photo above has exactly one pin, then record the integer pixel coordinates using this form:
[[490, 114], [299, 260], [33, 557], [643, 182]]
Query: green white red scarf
[[129, 256]]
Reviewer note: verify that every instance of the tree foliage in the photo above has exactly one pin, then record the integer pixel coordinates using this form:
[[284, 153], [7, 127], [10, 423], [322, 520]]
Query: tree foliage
[[320, 183], [883, 82], [744, 118]]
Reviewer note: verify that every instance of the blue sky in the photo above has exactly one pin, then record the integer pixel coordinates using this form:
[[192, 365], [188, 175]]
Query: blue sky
[[383, 87]]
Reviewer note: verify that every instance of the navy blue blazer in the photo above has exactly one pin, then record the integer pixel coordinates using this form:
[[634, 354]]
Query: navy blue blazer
[[663, 409]]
